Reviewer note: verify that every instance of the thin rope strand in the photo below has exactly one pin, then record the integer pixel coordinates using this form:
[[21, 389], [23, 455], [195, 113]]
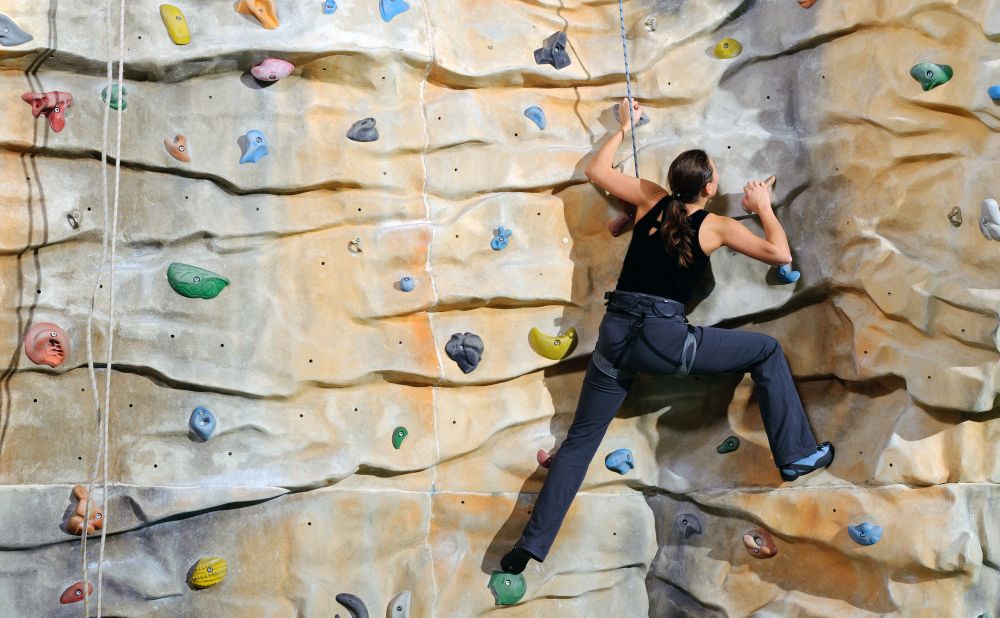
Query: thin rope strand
[[628, 89]]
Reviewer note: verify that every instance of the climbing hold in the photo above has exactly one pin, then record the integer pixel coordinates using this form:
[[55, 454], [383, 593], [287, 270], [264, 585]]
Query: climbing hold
[[272, 69], [865, 533], [543, 457], [74, 525], [728, 445], [553, 51], [806, 4], [46, 344], [253, 145], [353, 604], [994, 92], [622, 221], [202, 423], [555, 348], [363, 131], [208, 572], [619, 461], [390, 8], [74, 219], [955, 216], [399, 606], [687, 524], [10, 34], [759, 544], [536, 115], [507, 588], [264, 11], [728, 48], [989, 219], [354, 246], [178, 148], [500, 238], [329, 6], [650, 23], [195, 282], [75, 593], [177, 27], [52, 105], [117, 97], [931, 75], [644, 119], [407, 284], [466, 349], [398, 435], [787, 275]]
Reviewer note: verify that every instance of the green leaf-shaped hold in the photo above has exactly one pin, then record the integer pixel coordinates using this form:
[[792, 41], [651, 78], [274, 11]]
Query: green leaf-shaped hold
[[397, 436], [507, 589], [195, 282], [728, 445], [931, 75]]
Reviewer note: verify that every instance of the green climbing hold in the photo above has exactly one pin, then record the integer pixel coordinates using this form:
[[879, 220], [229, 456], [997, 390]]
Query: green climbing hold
[[398, 435], [114, 97], [195, 282], [728, 445], [931, 75], [507, 588]]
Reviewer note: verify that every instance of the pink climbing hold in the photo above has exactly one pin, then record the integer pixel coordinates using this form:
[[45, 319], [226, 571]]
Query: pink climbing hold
[[52, 105], [272, 69], [544, 459], [622, 221]]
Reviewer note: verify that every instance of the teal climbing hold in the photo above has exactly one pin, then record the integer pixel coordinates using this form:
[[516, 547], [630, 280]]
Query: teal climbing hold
[[116, 100], [254, 146], [194, 282], [507, 588], [728, 445], [398, 435], [931, 75], [390, 8], [536, 115]]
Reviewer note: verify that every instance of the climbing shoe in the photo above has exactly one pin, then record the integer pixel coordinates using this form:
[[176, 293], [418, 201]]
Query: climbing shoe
[[822, 458], [514, 561]]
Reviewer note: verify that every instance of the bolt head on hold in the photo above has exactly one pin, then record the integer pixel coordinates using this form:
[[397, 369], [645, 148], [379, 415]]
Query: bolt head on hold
[[253, 145], [399, 606], [398, 435], [865, 533], [931, 75], [507, 588], [264, 11], [208, 572], [52, 105], [202, 423], [620, 461], [46, 344], [501, 237], [74, 593], [955, 216], [994, 92], [407, 284], [727, 48]]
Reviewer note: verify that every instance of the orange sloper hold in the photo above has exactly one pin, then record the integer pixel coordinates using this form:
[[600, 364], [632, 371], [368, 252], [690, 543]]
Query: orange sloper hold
[[265, 11]]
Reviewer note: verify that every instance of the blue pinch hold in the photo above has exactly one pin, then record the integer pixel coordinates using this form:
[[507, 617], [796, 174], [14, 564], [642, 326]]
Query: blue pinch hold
[[994, 93], [501, 237], [329, 6], [407, 284], [202, 423], [787, 275], [865, 533], [390, 8], [536, 115], [620, 461], [254, 146]]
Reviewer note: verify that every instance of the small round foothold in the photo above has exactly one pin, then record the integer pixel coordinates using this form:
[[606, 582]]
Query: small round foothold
[[759, 544], [728, 445], [650, 23], [865, 533], [355, 245], [407, 284], [955, 216], [806, 4], [202, 423], [74, 593], [507, 588], [620, 461], [728, 48], [398, 435], [994, 92]]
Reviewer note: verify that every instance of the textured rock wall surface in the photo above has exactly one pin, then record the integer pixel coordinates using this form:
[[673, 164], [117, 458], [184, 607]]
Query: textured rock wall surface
[[312, 356]]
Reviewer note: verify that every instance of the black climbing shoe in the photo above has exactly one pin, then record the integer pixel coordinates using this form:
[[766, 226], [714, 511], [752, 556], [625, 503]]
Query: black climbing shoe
[[820, 459], [514, 561]]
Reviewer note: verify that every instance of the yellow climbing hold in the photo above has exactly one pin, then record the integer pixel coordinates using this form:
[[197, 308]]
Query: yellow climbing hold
[[177, 26], [728, 48], [555, 348], [208, 572]]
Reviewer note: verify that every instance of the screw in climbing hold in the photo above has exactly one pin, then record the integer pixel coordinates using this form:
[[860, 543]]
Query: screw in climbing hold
[[620, 461], [354, 246], [955, 216], [931, 75], [398, 435], [501, 237], [507, 588]]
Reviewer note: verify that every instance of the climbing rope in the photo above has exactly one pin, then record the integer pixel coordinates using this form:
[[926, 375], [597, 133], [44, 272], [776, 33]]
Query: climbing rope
[[628, 88], [101, 456]]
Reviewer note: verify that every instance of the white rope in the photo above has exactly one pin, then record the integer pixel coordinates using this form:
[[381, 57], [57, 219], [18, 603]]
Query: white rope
[[628, 89]]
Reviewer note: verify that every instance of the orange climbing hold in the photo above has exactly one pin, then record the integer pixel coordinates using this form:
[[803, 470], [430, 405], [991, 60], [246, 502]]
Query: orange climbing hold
[[75, 523], [265, 11]]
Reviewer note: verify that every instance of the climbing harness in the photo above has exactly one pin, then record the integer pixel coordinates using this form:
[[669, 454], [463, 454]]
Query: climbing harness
[[628, 88], [647, 306]]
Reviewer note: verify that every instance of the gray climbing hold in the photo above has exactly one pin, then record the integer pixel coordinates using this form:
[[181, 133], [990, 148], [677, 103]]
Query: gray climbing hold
[[10, 34], [989, 219], [728, 445], [399, 606], [202, 423], [553, 51], [536, 115], [643, 120], [390, 8], [353, 604], [687, 524], [620, 461], [955, 216], [363, 131], [466, 349]]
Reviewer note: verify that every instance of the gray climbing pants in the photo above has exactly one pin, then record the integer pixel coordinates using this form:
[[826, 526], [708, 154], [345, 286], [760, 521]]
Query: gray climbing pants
[[641, 333]]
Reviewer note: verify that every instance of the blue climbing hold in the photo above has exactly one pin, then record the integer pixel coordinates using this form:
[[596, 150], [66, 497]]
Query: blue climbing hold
[[254, 146], [407, 284], [391, 8], [536, 115], [202, 423], [994, 93], [329, 6], [865, 533], [553, 51], [620, 461], [500, 238], [787, 275]]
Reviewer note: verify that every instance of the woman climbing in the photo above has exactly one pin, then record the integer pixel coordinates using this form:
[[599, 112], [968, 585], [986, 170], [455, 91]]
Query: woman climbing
[[644, 329]]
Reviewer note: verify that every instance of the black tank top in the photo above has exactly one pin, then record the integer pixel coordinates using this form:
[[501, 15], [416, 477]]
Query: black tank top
[[650, 269]]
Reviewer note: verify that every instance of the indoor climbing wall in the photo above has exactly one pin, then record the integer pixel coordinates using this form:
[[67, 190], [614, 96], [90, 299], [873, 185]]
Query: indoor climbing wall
[[359, 274]]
